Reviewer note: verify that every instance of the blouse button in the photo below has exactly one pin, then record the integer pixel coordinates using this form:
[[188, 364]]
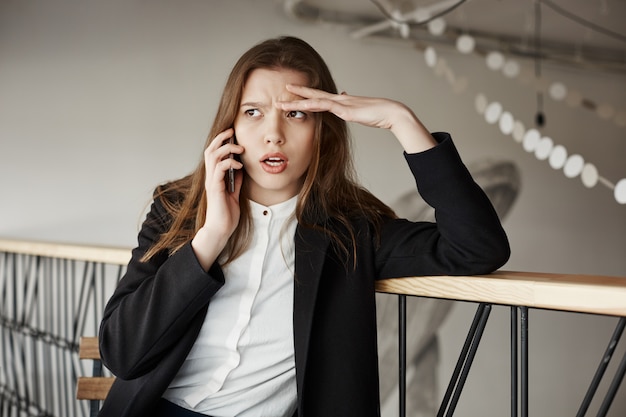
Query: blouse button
[[265, 212]]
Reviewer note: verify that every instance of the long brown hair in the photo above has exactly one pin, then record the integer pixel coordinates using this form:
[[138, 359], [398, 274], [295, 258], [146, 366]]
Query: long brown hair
[[330, 191]]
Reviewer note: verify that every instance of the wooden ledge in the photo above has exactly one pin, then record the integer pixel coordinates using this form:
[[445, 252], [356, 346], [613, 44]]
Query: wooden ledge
[[108, 255], [568, 292], [579, 293], [93, 388]]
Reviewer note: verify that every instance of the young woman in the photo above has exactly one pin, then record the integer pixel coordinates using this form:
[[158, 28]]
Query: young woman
[[259, 301]]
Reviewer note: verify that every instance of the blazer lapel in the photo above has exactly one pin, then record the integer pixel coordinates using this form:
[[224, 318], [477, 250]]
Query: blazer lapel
[[311, 247]]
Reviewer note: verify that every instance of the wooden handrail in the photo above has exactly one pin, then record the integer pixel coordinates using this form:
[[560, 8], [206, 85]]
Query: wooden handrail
[[103, 254], [595, 294]]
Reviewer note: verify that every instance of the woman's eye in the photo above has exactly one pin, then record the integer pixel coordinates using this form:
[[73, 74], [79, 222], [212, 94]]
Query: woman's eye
[[296, 114], [253, 112]]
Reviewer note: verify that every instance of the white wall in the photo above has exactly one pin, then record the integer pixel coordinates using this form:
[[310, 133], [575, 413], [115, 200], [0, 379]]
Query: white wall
[[101, 101]]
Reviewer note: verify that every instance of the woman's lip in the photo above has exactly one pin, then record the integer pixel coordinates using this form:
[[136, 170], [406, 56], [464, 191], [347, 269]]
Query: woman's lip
[[277, 155], [274, 163]]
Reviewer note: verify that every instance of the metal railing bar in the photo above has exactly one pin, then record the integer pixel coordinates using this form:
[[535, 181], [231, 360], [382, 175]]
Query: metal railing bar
[[524, 361], [476, 323], [32, 360], [402, 354], [604, 363], [617, 380], [48, 358], [83, 301], [21, 363], [100, 301], [514, 359], [610, 395], [31, 291], [63, 377], [469, 361], [459, 363]]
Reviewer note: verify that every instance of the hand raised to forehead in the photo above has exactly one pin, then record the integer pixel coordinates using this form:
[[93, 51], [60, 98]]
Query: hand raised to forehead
[[368, 111]]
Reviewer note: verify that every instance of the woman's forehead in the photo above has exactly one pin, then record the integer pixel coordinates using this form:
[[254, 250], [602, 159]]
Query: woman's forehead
[[264, 83]]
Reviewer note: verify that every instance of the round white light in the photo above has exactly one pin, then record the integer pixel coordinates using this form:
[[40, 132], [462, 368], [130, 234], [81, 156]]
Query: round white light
[[511, 69], [620, 191], [574, 166], [493, 112], [519, 130], [531, 140], [430, 56], [558, 156], [506, 123], [437, 26], [405, 30], [495, 60], [544, 148], [589, 176], [480, 103], [557, 91], [465, 44]]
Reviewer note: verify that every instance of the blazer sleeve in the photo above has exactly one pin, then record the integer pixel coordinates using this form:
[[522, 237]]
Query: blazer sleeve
[[467, 237], [154, 302]]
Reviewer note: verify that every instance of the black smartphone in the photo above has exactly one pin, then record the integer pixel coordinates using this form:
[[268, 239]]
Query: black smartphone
[[231, 171]]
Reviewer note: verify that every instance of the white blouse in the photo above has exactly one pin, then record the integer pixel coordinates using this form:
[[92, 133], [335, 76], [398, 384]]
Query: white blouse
[[242, 363]]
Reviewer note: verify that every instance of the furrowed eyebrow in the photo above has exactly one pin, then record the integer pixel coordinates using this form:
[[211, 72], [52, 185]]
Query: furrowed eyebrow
[[252, 104]]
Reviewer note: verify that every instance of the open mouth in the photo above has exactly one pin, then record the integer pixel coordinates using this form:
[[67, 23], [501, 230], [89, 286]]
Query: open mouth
[[274, 162]]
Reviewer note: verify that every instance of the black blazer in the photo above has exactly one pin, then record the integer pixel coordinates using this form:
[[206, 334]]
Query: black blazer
[[153, 318]]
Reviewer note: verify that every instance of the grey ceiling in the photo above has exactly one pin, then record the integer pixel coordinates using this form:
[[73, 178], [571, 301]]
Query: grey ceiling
[[580, 32]]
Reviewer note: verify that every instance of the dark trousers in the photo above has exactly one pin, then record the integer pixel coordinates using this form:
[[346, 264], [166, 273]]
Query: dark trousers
[[168, 409]]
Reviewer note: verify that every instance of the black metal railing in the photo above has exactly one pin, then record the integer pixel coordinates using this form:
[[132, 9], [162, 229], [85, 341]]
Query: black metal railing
[[527, 289], [46, 304], [51, 295]]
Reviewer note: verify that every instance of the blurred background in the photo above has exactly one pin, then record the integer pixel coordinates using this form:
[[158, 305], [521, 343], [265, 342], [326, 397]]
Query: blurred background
[[100, 101]]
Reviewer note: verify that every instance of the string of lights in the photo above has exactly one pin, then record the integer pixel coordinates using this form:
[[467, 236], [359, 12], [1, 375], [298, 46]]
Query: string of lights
[[556, 90], [544, 148]]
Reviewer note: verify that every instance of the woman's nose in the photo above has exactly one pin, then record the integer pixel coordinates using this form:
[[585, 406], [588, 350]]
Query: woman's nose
[[274, 132], [275, 139]]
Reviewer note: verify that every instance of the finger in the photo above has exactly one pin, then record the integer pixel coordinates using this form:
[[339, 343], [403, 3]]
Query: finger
[[221, 138], [223, 165], [221, 149], [212, 157], [308, 92], [317, 105], [227, 163], [316, 102], [217, 163], [215, 181]]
